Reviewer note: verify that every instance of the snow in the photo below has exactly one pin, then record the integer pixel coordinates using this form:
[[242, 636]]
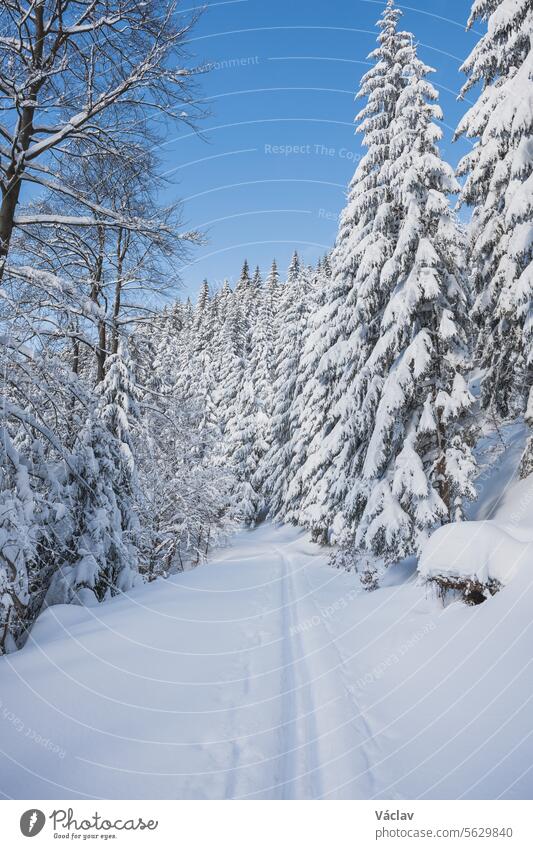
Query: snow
[[335, 400], [499, 545], [482, 551], [268, 674]]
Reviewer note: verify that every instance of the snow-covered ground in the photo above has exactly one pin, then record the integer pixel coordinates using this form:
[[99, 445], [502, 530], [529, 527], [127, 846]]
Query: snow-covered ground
[[267, 674]]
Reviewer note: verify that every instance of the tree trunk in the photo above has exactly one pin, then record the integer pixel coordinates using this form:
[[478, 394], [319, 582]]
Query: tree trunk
[[122, 247], [96, 288], [442, 478], [76, 356], [13, 177], [101, 352]]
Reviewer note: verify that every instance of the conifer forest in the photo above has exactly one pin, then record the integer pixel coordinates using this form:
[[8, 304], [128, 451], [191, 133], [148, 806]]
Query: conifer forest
[[281, 519]]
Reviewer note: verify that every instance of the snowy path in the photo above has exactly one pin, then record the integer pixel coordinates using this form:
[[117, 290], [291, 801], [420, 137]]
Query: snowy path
[[223, 682], [266, 674]]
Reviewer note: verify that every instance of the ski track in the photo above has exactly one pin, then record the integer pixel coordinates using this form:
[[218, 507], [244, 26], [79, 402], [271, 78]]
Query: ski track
[[260, 708], [340, 730], [301, 762]]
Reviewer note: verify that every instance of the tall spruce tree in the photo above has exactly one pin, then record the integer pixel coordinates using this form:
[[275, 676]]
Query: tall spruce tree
[[418, 466], [119, 411], [348, 324], [102, 557], [18, 544], [312, 287], [499, 185], [274, 472]]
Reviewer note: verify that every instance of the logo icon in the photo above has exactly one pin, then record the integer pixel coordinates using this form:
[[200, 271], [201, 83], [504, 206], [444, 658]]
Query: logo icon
[[32, 822]]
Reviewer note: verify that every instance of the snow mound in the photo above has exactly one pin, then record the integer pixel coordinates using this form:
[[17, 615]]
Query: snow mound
[[481, 552], [491, 551]]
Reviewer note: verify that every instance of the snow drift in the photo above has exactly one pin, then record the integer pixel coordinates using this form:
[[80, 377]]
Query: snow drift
[[483, 552], [488, 552]]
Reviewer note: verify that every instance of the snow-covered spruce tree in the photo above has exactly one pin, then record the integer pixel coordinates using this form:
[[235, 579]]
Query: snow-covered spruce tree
[[499, 185], [222, 300], [245, 444], [119, 411], [235, 396], [274, 471], [303, 410], [293, 271], [526, 465], [97, 562], [347, 325], [200, 320], [231, 359], [102, 553], [250, 437], [209, 428], [244, 279], [418, 466], [202, 302], [273, 289], [18, 544], [311, 404], [186, 504], [184, 368], [273, 276], [51, 519], [257, 280], [247, 292], [263, 344]]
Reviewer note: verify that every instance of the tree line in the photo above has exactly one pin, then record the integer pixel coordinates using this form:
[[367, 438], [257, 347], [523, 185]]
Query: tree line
[[344, 395], [338, 398]]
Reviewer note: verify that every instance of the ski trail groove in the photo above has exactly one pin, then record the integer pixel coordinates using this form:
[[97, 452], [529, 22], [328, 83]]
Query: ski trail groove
[[359, 716], [300, 757]]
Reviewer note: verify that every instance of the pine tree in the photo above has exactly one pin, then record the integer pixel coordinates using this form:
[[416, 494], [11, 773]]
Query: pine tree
[[257, 280], [186, 501], [209, 427], [249, 426], [312, 288], [294, 268], [230, 366], [313, 401], [18, 544], [244, 279], [223, 301], [499, 172], [273, 287], [261, 362], [418, 467], [244, 447], [97, 564], [201, 321], [274, 473], [526, 464], [119, 411], [347, 325], [201, 303], [246, 296], [103, 552], [273, 276]]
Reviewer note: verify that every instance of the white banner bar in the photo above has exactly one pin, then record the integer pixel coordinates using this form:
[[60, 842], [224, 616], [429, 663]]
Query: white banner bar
[[269, 824]]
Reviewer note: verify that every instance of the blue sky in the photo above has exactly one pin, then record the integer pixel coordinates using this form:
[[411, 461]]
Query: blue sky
[[269, 174]]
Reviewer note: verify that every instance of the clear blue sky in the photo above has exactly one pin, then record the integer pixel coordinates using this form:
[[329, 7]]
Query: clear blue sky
[[284, 78]]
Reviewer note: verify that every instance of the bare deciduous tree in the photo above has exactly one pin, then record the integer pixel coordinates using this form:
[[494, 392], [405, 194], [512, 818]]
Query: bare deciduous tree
[[91, 71]]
